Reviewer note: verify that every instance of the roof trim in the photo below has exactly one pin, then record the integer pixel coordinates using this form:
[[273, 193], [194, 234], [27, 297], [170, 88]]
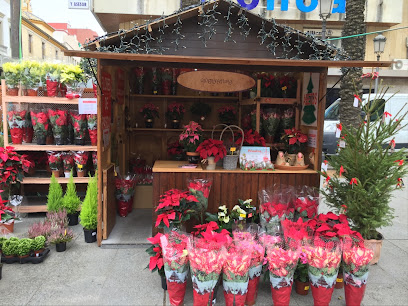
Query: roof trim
[[55, 42], [224, 61]]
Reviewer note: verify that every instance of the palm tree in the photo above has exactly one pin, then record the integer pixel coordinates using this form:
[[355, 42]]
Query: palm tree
[[355, 47]]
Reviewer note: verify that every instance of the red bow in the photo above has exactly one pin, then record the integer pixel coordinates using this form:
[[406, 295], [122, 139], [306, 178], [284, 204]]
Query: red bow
[[392, 144], [358, 98], [386, 114], [341, 170], [400, 162], [353, 181]]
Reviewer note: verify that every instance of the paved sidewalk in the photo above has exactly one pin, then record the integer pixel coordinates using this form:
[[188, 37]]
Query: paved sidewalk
[[88, 275]]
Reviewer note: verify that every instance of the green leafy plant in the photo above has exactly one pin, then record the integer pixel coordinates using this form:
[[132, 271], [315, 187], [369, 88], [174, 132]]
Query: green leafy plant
[[32, 74], [301, 273], [368, 168], [10, 246], [24, 247], [71, 201], [72, 74], [89, 210], [12, 73], [2, 240], [54, 198], [38, 243]]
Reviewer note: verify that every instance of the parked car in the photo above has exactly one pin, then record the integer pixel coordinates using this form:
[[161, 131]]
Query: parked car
[[399, 102]]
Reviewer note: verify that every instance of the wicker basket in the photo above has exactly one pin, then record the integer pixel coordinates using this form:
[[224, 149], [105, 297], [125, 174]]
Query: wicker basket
[[230, 162]]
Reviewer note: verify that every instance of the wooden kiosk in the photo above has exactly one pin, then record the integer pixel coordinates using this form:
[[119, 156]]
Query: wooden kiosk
[[218, 36]]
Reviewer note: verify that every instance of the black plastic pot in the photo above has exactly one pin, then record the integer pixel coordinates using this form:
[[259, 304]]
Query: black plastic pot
[[1, 269], [61, 247], [175, 124], [90, 235], [163, 282], [41, 139], [79, 141], [72, 219], [192, 159], [59, 140], [149, 124]]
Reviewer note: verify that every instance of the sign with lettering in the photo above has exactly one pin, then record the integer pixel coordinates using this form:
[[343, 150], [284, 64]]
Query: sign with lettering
[[310, 99], [78, 4], [216, 81], [87, 106], [339, 6], [255, 158], [106, 84]]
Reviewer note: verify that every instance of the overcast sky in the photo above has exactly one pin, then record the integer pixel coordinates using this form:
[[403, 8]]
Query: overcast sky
[[57, 11]]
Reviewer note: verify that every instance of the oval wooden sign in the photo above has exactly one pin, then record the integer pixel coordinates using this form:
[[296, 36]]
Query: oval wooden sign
[[216, 81]]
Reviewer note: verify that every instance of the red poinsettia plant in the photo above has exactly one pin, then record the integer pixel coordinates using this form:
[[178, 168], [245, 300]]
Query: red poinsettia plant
[[81, 158], [54, 160], [212, 147], [58, 119], [79, 124], [149, 111], [156, 255], [40, 123], [175, 207], [294, 140], [227, 114], [251, 139], [174, 148], [12, 167], [175, 111], [6, 213]]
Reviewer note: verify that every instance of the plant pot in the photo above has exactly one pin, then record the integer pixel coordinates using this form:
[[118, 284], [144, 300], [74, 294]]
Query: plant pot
[[28, 134], [376, 246], [230, 162], [59, 140], [163, 282], [23, 256], [61, 247], [41, 139], [175, 124], [9, 226], [193, 157], [269, 138], [67, 174], [79, 141], [73, 219], [90, 235], [301, 287], [339, 281], [32, 92], [211, 163], [56, 173], [52, 87], [16, 135], [1, 270], [149, 123], [93, 135], [81, 173], [38, 253], [49, 140], [12, 91]]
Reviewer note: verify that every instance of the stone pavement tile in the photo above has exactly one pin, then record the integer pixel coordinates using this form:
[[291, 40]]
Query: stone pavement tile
[[131, 295], [378, 275], [394, 261], [16, 291], [402, 244], [386, 294], [71, 291]]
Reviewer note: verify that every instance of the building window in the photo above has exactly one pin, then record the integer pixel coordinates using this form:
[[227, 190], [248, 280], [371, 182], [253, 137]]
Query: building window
[[1, 32], [30, 43], [56, 54], [43, 50]]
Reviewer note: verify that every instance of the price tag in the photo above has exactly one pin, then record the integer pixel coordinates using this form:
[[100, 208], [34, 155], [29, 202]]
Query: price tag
[[342, 144], [306, 288], [324, 167], [338, 133], [339, 280], [233, 149], [355, 104], [242, 215]]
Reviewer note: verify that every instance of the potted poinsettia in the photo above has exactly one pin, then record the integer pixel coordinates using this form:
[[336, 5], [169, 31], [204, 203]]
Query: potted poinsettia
[[212, 150], [227, 114], [79, 124], [251, 139], [149, 111], [68, 163], [190, 138], [16, 120], [175, 113], [59, 123], [175, 150], [39, 119], [156, 258], [81, 159], [7, 217], [92, 120], [55, 162]]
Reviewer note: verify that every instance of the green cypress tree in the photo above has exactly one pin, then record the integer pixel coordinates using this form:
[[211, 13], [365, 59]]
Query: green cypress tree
[[54, 198], [71, 201], [89, 210]]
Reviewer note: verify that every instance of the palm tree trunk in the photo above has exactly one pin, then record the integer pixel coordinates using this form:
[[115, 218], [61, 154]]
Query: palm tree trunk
[[355, 47]]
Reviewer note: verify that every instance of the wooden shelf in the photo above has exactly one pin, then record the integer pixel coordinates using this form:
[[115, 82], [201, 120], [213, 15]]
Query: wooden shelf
[[35, 147], [185, 97], [278, 145], [24, 209], [47, 180], [282, 101], [165, 130], [49, 100]]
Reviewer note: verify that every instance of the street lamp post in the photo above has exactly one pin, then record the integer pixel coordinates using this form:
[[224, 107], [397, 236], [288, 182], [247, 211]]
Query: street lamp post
[[325, 10], [379, 45]]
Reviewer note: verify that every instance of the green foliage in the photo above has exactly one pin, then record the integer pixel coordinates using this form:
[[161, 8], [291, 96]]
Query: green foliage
[[71, 201], [24, 246], [2, 240], [301, 273], [38, 243], [89, 211], [10, 247], [54, 202], [369, 159]]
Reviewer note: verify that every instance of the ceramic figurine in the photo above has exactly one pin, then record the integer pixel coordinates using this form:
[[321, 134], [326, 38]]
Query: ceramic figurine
[[300, 160], [312, 158], [280, 159]]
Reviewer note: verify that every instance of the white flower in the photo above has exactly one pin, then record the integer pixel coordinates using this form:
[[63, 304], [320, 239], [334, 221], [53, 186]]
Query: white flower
[[223, 208], [236, 207], [226, 219], [221, 214], [248, 201]]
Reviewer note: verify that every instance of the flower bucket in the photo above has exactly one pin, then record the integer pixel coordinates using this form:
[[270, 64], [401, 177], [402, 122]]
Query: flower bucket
[[8, 226], [16, 135], [52, 87], [93, 134], [12, 91], [28, 133]]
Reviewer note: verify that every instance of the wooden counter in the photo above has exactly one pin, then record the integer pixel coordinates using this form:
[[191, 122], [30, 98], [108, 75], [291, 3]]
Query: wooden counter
[[228, 185]]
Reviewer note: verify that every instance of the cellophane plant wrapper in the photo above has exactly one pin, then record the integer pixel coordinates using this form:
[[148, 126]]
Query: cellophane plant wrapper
[[200, 188], [207, 258], [323, 257], [125, 190], [282, 261], [175, 258], [276, 204], [306, 203], [356, 261], [257, 259]]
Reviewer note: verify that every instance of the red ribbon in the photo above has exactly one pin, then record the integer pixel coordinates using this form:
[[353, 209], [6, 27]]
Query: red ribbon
[[353, 181], [341, 170]]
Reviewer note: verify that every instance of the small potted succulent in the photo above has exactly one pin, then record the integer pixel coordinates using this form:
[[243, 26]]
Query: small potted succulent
[[175, 113], [212, 150], [149, 112], [60, 236], [190, 138]]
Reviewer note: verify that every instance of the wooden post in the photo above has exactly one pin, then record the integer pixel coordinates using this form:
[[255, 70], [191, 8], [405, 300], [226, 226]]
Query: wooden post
[[100, 147], [15, 39], [320, 119]]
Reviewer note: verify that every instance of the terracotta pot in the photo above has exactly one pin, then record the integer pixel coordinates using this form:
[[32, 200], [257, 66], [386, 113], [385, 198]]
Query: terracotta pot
[[24, 256], [376, 246], [56, 173], [301, 287], [81, 173], [193, 157], [12, 91], [339, 281], [32, 92], [8, 226]]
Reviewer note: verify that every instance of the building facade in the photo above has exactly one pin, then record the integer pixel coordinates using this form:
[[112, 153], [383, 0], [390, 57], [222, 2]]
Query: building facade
[[5, 50]]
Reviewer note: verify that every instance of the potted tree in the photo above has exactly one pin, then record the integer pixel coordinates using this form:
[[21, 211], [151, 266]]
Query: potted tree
[[369, 169], [190, 138], [60, 236], [212, 150], [89, 211], [71, 202], [54, 197]]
